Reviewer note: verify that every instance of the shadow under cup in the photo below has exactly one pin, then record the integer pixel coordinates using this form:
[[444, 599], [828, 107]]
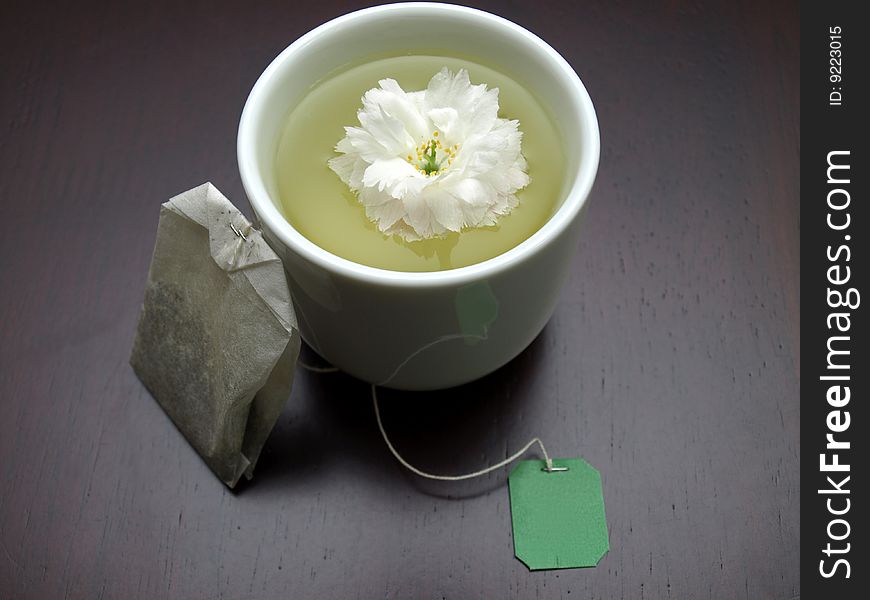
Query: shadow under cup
[[436, 329]]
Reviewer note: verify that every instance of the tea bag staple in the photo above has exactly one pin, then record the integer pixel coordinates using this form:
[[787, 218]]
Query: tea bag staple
[[217, 339]]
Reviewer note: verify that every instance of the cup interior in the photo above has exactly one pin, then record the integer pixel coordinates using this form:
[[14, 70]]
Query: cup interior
[[407, 29]]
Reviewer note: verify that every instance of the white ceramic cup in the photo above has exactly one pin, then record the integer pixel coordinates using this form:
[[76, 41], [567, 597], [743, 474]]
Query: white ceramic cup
[[433, 330]]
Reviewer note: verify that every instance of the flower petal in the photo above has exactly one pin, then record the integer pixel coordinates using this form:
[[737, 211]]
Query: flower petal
[[444, 207], [366, 145], [399, 105], [384, 174], [382, 208], [388, 131], [476, 107], [445, 119]]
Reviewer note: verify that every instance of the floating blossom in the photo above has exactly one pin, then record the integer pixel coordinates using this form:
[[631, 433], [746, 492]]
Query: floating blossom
[[435, 161]]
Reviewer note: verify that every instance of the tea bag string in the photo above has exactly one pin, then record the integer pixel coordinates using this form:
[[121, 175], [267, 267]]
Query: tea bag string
[[549, 467], [549, 462]]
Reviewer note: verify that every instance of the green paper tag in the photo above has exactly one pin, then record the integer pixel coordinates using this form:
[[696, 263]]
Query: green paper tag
[[558, 517]]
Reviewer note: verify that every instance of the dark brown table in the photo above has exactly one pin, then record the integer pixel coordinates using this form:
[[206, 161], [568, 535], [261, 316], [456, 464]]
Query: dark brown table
[[671, 363]]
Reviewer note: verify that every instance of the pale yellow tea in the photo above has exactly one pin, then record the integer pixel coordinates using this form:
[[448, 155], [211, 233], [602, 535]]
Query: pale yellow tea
[[322, 208]]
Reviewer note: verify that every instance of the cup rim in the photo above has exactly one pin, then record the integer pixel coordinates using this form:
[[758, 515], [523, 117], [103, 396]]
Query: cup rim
[[271, 217]]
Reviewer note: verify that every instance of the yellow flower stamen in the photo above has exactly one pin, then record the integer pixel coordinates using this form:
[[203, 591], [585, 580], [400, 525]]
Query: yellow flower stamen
[[428, 161]]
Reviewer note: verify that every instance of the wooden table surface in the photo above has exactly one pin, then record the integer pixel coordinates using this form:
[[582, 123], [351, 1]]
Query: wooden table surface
[[671, 363]]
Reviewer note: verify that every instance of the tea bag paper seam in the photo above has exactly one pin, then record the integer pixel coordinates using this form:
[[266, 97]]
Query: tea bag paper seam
[[215, 203]]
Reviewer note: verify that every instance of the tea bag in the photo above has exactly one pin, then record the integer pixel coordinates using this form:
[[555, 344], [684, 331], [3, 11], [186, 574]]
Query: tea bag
[[217, 339]]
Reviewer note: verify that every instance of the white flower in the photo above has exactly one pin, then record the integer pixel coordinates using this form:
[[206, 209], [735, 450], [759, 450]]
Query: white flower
[[435, 161]]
